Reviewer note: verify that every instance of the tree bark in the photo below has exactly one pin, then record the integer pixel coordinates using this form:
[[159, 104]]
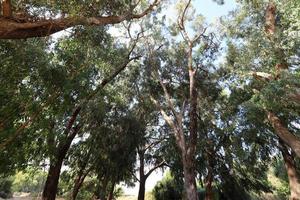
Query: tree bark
[[142, 188], [50, 188], [142, 181], [6, 8], [208, 183], [284, 134], [15, 28], [189, 171], [51, 185], [293, 176], [78, 183], [210, 154]]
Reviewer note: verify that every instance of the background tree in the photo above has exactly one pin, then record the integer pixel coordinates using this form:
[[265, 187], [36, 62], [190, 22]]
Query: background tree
[[260, 43]]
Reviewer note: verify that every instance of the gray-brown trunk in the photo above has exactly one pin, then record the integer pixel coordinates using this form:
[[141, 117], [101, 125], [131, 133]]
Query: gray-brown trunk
[[190, 187]]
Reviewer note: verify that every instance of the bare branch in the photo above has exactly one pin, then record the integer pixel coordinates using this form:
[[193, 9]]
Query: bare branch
[[181, 24], [155, 167]]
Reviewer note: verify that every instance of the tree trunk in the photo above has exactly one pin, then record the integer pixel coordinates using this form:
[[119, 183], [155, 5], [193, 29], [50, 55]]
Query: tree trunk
[[189, 152], [190, 187], [208, 185], [6, 8], [76, 190], [50, 188], [142, 188], [78, 183], [284, 134], [293, 176], [189, 172], [210, 155], [142, 181]]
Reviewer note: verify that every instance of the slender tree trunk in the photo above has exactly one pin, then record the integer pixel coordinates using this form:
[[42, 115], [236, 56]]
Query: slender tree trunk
[[76, 188], [293, 176], [208, 184], [210, 154], [142, 181], [142, 188], [78, 183]]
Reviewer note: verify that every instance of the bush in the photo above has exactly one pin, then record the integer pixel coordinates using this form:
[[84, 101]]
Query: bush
[[5, 187], [167, 189]]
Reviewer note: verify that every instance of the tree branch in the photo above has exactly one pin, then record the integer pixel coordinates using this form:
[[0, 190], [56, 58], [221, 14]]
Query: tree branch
[[154, 168], [14, 28]]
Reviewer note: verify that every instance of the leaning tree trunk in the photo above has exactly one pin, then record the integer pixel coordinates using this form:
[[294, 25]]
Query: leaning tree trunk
[[51, 185], [78, 183], [293, 176], [50, 188], [284, 134], [280, 129]]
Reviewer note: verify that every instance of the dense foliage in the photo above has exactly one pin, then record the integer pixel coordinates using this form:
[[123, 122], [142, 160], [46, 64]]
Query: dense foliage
[[126, 90]]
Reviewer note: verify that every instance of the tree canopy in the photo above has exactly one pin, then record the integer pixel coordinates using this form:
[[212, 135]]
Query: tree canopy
[[125, 89]]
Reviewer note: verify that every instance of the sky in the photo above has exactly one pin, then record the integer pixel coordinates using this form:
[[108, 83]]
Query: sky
[[211, 11]]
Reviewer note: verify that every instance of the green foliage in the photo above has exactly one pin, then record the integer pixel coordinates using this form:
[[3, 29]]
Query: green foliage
[[167, 188], [30, 180], [5, 187]]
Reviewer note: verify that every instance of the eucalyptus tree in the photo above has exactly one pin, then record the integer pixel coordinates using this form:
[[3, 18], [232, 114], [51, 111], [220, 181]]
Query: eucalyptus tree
[[114, 162], [55, 88], [20, 97], [149, 152], [25, 18], [263, 55], [177, 68]]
